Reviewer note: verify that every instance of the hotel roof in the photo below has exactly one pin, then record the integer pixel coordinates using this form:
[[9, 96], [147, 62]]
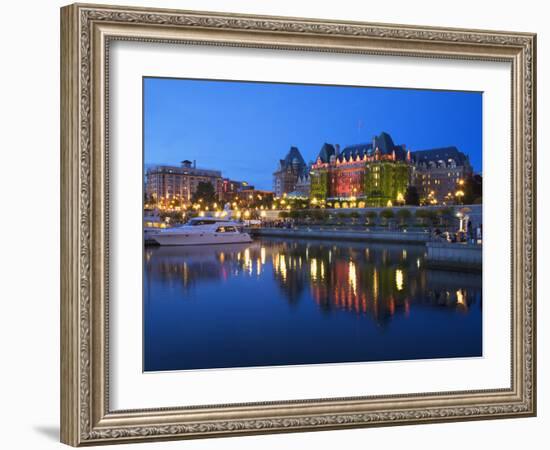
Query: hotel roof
[[439, 154], [383, 142]]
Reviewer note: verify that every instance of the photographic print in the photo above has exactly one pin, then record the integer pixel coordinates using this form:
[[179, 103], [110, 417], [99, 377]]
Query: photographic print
[[289, 224]]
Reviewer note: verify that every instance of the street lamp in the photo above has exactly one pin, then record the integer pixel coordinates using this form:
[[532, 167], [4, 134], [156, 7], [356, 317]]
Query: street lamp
[[400, 198], [431, 198], [459, 194]]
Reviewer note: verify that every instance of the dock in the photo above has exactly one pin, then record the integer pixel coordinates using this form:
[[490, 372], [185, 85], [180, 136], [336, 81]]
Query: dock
[[397, 236], [454, 256]]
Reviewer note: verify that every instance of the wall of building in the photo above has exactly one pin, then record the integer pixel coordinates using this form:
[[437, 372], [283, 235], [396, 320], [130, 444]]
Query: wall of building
[[165, 182]]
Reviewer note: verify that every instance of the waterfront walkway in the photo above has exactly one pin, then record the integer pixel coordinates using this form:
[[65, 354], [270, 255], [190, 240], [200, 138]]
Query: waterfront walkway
[[439, 254], [346, 234]]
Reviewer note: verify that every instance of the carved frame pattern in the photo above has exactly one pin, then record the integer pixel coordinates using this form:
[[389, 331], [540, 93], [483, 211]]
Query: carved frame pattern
[[86, 418]]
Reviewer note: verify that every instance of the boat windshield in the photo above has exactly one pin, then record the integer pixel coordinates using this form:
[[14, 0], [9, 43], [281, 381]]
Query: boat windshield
[[195, 223]]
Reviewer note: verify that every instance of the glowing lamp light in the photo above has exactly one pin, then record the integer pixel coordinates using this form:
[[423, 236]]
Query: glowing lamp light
[[399, 279]]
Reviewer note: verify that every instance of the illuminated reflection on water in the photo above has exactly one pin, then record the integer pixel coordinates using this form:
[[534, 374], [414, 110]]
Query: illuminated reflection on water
[[276, 302]]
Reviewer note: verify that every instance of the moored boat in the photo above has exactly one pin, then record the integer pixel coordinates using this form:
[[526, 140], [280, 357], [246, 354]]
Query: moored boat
[[202, 231]]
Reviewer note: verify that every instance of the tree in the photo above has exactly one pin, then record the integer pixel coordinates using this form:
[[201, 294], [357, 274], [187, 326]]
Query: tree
[[372, 216], [205, 192], [445, 215], [319, 215], [403, 215], [284, 215], [473, 190], [411, 196], [420, 214], [354, 215], [425, 215], [387, 214], [296, 214]]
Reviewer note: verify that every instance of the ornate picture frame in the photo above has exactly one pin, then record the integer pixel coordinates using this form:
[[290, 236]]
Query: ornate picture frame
[[86, 34]]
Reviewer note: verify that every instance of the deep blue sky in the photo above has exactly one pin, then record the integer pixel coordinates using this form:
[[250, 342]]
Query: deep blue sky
[[244, 128]]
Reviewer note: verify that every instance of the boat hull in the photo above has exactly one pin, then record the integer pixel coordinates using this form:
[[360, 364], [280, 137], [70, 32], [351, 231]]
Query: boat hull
[[166, 239]]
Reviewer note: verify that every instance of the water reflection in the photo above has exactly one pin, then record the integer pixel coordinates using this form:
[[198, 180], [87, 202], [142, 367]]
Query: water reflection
[[279, 294], [378, 280]]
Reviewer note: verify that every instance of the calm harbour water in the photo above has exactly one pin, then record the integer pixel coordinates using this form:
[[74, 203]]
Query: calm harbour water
[[277, 302]]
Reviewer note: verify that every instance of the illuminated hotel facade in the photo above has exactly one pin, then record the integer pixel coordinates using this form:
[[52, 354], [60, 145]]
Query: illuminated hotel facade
[[376, 173]]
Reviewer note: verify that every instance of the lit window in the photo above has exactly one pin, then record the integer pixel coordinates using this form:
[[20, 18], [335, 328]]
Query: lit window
[[226, 230]]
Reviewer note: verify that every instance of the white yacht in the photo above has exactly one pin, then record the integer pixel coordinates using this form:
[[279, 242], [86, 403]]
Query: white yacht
[[202, 231]]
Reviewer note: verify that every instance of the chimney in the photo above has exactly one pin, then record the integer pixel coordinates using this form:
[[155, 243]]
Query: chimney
[[337, 147], [194, 164]]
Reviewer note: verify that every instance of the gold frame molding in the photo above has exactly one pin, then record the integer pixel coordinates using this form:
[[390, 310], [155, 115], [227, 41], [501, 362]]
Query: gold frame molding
[[86, 31]]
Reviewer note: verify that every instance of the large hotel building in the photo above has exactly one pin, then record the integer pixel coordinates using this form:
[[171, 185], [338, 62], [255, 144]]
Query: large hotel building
[[180, 182], [439, 171], [377, 173], [165, 182]]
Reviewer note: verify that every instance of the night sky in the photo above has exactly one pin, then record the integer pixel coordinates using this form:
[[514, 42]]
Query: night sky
[[244, 128]]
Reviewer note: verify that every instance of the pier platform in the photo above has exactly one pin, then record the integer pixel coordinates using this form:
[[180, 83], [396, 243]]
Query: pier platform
[[410, 237], [454, 256]]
